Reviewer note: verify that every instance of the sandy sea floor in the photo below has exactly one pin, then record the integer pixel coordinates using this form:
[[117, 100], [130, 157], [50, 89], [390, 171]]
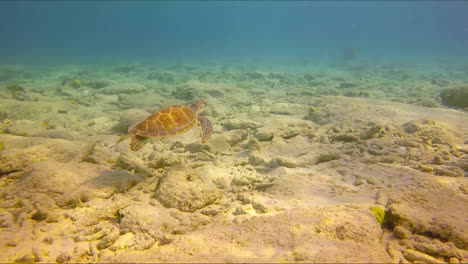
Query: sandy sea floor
[[362, 163]]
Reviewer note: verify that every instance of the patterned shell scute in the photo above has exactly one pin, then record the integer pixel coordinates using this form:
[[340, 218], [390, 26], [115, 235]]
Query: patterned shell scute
[[168, 121]]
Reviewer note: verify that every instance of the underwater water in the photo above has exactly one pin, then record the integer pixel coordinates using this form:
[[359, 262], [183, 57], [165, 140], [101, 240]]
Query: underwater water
[[234, 131]]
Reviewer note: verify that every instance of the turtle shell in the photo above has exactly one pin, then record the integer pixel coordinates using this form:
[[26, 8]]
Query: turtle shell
[[169, 121]]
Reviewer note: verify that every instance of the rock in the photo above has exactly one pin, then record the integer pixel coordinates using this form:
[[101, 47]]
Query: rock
[[241, 124], [184, 92], [163, 77], [127, 162], [416, 213], [456, 96], [234, 137], [434, 247], [73, 183], [401, 232], [141, 99], [100, 125], [288, 109], [253, 76], [98, 84], [211, 210], [129, 118], [196, 147], [346, 85], [428, 102], [14, 161], [107, 99], [449, 171], [282, 161], [440, 82], [184, 189], [109, 239], [348, 137], [144, 219], [215, 93], [63, 257], [125, 68], [253, 144], [124, 241], [122, 88], [20, 152], [219, 176], [57, 133], [265, 133], [164, 160], [413, 255], [256, 159], [433, 132], [99, 155], [219, 144], [26, 128], [327, 156]]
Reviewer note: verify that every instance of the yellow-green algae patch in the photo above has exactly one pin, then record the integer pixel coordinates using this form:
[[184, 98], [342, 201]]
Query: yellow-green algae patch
[[378, 213]]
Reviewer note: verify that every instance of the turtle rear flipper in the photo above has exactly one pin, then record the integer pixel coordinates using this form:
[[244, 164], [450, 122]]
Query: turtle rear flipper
[[207, 128], [137, 142]]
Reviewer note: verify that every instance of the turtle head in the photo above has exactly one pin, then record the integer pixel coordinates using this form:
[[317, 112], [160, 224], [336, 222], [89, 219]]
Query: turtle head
[[198, 106]]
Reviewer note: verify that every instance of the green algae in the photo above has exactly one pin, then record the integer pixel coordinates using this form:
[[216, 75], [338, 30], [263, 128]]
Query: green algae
[[378, 213]]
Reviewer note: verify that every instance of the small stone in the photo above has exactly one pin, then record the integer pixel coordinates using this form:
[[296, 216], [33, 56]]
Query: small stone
[[454, 261]]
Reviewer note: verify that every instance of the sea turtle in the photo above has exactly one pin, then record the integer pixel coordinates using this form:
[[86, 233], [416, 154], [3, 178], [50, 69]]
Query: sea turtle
[[169, 121]]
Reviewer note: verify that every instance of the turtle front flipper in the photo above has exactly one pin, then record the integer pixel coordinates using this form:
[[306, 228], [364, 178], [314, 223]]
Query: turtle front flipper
[[207, 128], [137, 142]]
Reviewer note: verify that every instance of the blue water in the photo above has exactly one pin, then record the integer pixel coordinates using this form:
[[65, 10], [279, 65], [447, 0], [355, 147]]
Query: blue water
[[49, 32]]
